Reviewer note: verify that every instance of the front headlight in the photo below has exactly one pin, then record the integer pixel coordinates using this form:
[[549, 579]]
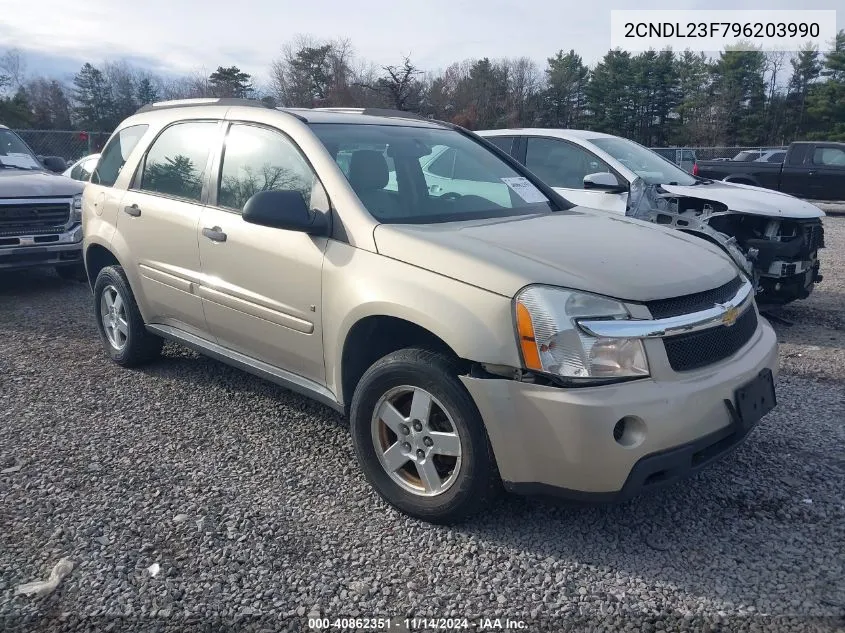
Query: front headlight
[[76, 209], [551, 341]]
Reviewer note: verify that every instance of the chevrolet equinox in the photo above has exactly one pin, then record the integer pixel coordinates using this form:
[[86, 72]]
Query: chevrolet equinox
[[478, 330]]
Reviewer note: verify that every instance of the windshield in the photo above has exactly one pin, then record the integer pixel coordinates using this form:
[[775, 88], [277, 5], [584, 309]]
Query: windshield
[[410, 174], [14, 152], [651, 167]]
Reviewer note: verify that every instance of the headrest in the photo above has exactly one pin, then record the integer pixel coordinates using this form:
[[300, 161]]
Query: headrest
[[368, 170]]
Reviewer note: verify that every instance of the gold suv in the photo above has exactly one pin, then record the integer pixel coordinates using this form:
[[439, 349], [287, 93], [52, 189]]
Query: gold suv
[[476, 327]]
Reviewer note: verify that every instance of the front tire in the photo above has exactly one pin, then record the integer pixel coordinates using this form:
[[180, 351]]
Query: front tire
[[119, 321], [420, 439]]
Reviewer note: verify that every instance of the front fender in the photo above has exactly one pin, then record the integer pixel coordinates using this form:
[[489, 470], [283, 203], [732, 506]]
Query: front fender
[[476, 324]]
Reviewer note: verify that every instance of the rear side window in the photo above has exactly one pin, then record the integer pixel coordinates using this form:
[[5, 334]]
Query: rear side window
[[115, 154], [777, 157], [176, 162], [504, 143], [797, 154]]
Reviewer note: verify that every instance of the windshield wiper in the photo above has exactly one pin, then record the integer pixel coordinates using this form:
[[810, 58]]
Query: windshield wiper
[[4, 165]]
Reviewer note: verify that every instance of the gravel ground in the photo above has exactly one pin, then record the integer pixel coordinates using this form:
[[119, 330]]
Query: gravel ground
[[249, 501]]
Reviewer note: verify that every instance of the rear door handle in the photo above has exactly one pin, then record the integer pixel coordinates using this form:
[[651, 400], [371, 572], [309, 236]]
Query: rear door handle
[[812, 172], [133, 210], [215, 234]]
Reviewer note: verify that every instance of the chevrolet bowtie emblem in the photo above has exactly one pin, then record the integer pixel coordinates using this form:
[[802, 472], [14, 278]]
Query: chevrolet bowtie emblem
[[730, 314]]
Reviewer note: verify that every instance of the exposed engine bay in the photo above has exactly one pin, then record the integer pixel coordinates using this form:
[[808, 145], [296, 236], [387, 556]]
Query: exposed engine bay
[[779, 255]]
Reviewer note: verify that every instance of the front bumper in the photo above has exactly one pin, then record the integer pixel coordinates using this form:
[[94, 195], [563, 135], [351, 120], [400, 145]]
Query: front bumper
[[561, 441], [42, 250]]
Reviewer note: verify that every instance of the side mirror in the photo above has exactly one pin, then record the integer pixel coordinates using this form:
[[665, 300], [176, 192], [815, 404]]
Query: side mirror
[[604, 181], [284, 210], [54, 163]]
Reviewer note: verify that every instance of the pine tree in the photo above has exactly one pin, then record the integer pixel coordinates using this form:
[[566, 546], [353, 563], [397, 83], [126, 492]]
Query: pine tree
[[94, 110], [230, 82], [740, 93], [826, 100], [565, 95], [147, 92]]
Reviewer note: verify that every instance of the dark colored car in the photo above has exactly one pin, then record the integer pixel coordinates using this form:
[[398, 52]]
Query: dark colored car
[[812, 170]]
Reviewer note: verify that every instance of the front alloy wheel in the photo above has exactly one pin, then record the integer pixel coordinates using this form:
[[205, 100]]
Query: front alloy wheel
[[416, 441], [420, 439]]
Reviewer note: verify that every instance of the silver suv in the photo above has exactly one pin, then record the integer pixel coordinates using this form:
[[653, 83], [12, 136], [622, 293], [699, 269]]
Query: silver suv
[[477, 330]]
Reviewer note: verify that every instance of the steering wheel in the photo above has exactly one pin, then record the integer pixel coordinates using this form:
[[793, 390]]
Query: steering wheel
[[451, 195]]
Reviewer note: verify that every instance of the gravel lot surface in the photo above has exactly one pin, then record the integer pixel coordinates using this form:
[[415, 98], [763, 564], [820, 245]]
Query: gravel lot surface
[[249, 500]]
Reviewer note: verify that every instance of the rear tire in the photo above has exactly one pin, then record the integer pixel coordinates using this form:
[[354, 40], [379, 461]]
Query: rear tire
[[119, 321], [433, 461]]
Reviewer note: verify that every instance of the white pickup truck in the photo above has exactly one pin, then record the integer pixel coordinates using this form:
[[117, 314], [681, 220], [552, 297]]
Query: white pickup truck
[[775, 237]]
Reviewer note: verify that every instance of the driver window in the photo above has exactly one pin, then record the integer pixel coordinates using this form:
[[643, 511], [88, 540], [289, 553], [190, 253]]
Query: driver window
[[561, 164], [257, 159], [829, 156]]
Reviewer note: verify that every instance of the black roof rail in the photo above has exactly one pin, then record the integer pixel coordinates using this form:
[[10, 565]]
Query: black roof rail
[[187, 103]]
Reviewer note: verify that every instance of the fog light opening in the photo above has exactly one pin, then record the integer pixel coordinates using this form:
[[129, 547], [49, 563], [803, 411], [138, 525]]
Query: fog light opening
[[629, 431]]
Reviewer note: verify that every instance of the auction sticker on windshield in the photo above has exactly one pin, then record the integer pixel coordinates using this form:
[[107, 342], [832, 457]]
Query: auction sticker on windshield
[[525, 190]]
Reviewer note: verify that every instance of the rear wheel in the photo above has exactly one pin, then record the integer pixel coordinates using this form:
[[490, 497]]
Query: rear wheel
[[119, 321], [420, 439]]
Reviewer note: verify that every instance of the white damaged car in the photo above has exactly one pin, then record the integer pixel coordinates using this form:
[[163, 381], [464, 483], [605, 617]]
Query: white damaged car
[[773, 236]]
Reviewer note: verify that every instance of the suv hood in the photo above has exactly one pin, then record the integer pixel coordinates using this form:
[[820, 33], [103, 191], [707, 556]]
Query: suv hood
[[16, 183], [749, 199], [618, 257]]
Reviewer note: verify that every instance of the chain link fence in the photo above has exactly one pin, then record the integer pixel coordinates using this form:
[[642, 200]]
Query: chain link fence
[[69, 144], [714, 153]]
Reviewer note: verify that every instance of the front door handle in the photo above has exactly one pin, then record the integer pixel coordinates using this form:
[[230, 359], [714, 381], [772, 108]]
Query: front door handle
[[133, 210], [215, 234], [812, 172]]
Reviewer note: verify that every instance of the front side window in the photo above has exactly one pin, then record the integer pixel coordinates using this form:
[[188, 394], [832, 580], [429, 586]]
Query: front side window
[[777, 157], [652, 168], [829, 156], [115, 154], [397, 173], [175, 163], [257, 159], [14, 153], [561, 164]]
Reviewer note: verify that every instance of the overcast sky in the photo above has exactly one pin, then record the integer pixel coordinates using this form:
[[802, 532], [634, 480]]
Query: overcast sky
[[190, 35]]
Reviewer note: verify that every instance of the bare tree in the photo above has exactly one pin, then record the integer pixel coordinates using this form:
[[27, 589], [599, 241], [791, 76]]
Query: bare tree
[[399, 85], [524, 83], [13, 68]]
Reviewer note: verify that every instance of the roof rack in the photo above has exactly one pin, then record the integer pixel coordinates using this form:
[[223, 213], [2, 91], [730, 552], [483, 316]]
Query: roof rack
[[186, 103], [400, 114]]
